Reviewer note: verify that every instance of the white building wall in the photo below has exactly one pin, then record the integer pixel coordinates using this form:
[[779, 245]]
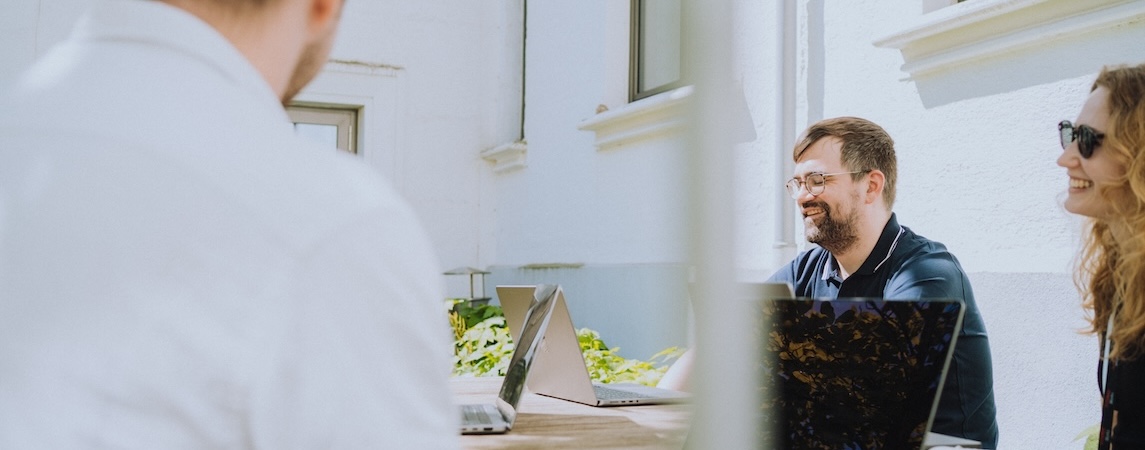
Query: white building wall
[[605, 223], [456, 92]]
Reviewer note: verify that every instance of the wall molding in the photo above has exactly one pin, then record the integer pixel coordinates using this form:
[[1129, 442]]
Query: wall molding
[[362, 67], [976, 30], [506, 157]]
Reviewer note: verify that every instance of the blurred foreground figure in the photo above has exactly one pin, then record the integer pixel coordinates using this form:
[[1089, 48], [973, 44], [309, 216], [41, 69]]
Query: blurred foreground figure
[[178, 270]]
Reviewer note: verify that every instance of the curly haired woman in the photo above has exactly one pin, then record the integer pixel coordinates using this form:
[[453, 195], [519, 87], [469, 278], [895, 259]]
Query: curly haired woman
[[1104, 156]]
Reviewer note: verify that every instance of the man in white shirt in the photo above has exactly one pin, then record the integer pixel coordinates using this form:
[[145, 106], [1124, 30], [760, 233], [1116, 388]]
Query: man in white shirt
[[178, 270]]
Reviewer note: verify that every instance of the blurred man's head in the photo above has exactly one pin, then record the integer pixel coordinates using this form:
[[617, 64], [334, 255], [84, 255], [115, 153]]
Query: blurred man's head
[[288, 41], [843, 167]]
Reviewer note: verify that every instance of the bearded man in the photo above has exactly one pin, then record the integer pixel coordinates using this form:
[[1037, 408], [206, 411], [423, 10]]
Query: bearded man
[[179, 270], [844, 184]]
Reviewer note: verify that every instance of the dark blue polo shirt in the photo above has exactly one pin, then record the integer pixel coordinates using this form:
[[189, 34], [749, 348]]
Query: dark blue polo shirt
[[904, 265]]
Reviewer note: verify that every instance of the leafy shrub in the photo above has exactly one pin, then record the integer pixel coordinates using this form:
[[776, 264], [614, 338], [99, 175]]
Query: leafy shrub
[[605, 366], [1091, 437], [483, 346], [483, 349]]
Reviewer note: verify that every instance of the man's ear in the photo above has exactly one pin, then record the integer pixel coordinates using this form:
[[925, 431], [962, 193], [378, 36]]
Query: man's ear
[[324, 15], [876, 182]]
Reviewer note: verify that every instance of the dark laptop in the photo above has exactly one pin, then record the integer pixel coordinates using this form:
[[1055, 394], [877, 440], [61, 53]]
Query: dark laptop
[[498, 418], [854, 373]]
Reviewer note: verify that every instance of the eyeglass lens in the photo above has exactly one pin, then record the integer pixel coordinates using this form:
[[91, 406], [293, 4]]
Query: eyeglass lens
[[814, 182], [1087, 138]]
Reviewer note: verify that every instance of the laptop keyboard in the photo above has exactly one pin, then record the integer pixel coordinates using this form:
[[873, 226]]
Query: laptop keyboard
[[604, 393], [475, 414]]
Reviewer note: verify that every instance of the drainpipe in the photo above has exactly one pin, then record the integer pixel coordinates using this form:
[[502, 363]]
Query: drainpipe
[[524, 60], [785, 126]]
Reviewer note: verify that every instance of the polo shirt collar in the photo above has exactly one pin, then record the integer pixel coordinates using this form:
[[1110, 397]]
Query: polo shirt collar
[[888, 240]]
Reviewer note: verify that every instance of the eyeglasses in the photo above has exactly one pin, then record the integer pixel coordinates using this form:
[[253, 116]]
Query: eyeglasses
[[1088, 139], [814, 182]]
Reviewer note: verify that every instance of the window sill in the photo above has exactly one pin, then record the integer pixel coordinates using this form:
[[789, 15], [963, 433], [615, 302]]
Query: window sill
[[656, 116], [980, 29]]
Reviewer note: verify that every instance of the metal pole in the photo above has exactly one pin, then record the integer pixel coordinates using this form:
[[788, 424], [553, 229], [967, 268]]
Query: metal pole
[[725, 383]]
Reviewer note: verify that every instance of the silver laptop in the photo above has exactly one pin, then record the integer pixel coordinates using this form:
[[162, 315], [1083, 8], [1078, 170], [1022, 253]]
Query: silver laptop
[[560, 370], [497, 418]]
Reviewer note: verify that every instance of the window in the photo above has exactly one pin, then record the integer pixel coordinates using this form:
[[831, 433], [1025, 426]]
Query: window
[[334, 126], [655, 53], [932, 5]]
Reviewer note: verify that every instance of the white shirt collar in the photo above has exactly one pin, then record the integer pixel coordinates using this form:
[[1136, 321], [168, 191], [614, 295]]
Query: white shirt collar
[[148, 21], [828, 267]]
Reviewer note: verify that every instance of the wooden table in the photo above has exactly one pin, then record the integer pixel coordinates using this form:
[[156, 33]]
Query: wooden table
[[545, 422]]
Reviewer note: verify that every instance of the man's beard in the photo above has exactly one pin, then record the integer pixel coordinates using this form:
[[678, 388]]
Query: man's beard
[[309, 64], [836, 235]]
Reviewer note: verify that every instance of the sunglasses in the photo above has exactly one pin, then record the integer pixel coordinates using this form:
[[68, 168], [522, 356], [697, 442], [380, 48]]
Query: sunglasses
[[1088, 139]]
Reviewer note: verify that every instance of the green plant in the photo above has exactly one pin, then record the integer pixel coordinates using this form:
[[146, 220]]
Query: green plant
[[483, 349], [483, 346], [605, 366], [481, 342], [1090, 436]]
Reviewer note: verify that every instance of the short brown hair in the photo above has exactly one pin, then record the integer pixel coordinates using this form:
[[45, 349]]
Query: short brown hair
[[866, 147]]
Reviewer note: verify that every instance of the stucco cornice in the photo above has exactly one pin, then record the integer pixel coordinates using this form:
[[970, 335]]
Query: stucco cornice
[[984, 28]]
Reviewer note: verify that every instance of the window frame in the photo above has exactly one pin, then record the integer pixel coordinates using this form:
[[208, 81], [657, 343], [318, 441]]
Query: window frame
[[636, 52], [343, 117], [934, 5]]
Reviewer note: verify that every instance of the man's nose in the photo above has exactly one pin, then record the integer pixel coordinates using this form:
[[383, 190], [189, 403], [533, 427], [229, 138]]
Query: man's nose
[[803, 195]]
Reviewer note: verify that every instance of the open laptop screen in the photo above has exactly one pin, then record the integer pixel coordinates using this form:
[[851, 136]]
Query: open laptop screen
[[536, 320], [854, 373]]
